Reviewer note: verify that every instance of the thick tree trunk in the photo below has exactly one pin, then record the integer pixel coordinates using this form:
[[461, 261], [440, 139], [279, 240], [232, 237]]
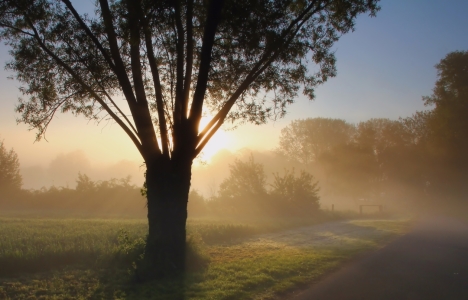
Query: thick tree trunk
[[168, 185]]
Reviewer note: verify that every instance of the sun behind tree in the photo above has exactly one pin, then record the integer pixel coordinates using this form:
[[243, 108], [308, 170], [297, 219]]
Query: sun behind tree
[[171, 61]]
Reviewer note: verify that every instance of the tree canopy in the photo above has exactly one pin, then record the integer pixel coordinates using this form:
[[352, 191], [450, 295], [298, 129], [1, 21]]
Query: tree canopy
[[171, 61]]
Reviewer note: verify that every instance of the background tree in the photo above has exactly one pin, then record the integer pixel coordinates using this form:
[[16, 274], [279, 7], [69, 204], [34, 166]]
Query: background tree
[[245, 189], [296, 195], [10, 177], [196, 204], [447, 125], [305, 140], [172, 61]]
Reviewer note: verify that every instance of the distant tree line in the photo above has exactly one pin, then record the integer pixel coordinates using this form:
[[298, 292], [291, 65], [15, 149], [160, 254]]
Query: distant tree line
[[422, 158], [426, 153], [114, 197], [246, 193]]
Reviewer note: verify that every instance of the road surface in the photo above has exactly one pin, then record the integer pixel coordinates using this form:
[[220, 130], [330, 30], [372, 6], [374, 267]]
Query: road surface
[[430, 262]]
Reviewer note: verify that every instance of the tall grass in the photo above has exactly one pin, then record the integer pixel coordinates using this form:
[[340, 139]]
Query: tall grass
[[28, 245], [36, 244], [239, 269]]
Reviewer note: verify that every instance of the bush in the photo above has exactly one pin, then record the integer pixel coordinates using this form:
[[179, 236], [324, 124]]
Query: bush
[[295, 195], [244, 191]]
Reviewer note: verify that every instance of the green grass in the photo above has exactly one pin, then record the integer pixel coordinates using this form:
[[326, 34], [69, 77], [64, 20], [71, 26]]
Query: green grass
[[79, 259]]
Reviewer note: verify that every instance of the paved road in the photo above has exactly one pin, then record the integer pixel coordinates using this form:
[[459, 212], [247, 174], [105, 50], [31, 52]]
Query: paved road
[[430, 262]]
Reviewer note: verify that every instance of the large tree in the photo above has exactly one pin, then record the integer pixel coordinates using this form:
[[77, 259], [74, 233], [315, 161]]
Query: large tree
[[172, 61]]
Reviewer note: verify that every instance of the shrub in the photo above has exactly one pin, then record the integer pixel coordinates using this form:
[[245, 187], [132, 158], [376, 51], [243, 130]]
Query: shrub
[[295, 195]]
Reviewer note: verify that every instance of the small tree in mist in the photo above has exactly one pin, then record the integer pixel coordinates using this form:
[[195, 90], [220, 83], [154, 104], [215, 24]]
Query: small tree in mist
[[196, 204], [245, 188], [296, 195], [10, 177], [84, 183]]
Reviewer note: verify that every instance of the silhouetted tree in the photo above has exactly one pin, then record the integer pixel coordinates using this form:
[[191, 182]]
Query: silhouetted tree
[[10, 177], [172, 61], [447, 125]]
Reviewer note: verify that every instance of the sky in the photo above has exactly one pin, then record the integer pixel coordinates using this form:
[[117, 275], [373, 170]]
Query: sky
[[384, 68]]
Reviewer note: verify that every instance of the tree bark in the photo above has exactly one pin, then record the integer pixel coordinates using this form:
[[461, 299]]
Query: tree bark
[[168, 185]]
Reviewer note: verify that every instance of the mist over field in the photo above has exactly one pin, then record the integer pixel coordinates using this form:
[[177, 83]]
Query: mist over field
[[195, 149], [375, 162]]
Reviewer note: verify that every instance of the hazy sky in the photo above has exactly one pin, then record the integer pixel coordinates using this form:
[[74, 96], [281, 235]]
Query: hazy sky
[[384, 68]]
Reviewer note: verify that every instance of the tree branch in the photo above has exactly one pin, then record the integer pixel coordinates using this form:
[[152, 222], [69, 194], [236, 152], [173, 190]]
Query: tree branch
[[189, 65], [158, 89], [17, 29], [206, 138], [140, 111], [90, 35], [261, 65], [104, 91], [212, 20], [89, 89], [179, 117]]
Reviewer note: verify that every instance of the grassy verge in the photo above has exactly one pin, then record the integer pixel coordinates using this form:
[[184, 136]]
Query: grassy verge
[[239, 269]]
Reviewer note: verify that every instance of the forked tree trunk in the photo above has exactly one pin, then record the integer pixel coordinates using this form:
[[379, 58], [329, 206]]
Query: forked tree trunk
[[168, 186]]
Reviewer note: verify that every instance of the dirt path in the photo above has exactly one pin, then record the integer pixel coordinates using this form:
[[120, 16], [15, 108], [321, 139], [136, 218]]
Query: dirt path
[[332, 234], [430, 262]]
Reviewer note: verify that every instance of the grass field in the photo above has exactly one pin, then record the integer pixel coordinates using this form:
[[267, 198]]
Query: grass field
[[86, 259]]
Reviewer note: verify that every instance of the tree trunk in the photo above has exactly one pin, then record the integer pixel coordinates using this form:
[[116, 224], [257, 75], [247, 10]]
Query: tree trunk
[[168, 185]]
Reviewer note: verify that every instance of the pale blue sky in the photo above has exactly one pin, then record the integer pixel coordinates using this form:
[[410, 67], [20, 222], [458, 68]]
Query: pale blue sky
[[384, 68]]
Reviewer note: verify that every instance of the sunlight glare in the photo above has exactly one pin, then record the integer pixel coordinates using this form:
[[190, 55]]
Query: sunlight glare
[[220, 140]]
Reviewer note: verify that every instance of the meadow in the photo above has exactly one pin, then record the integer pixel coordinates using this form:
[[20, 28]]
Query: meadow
[[94, 258]]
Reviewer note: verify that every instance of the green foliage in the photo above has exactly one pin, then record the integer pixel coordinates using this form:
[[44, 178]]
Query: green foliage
[[131, 248], [10, 177]]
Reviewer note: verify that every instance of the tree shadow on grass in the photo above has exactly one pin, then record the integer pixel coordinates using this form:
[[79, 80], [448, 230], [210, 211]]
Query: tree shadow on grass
[[82, 282]]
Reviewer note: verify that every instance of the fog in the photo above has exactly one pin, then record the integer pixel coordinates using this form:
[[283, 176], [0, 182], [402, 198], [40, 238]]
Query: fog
[[64, 168], [412, 164]]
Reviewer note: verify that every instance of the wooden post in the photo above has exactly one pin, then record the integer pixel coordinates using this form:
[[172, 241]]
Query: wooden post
[[333, 207], [360, 209]]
